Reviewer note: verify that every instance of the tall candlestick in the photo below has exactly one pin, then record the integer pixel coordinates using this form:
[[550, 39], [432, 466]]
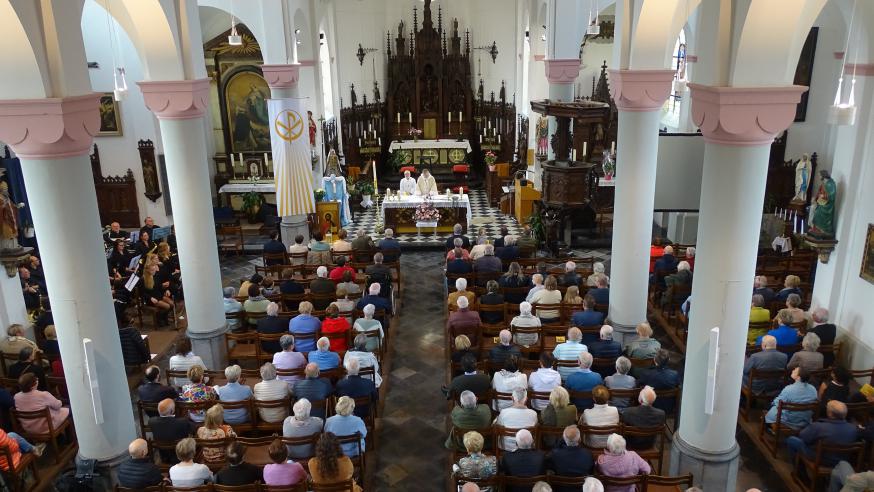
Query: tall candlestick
[[359, 142], [450, 116], [242, 162], [460, 119], [585, 146], [499, 139], [410, 117], [613, 147], [232, 161], [490, 124], [573, 154], [380, 141], [399, 118], [370, 126], [375, 186], [480, 139], [266, 162]]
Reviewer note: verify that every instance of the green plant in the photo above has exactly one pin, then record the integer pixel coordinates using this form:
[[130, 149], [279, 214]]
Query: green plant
[[364, 187], [252, 201], [397, 159], [537, 227], [319, 195]]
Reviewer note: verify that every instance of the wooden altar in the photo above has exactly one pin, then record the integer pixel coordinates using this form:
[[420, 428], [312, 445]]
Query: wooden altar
[[431, 152]]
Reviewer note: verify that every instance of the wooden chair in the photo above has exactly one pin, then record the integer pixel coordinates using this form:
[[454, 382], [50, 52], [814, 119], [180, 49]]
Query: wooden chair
[[299, 442], [16, 475], [510, 483], [246, 405], [780, 429], [542, 308], [245, 347], [556, 481], [359, 459], [257, 449], [199, 488], [637, 481], [655, 452], [778, 376], [153, 488], [502, 434], [344, 486], [814, 468], [267, 426], [660, 483], [144, 408], [534, 348], [492, 483], [238, 488], [40, 417], [550, 437], [299, 487], [230, 239]]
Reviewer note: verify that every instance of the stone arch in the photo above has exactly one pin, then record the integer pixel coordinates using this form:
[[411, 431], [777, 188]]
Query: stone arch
[[22, 77], [655, 32]]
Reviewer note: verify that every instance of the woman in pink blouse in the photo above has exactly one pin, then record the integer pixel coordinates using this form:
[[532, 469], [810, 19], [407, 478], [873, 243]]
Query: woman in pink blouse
[[618, 462], [30, 399]]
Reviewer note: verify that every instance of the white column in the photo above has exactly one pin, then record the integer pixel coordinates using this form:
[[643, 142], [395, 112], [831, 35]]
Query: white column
[[179, 107], [12, 309], [52, 137], [738, 125], [639, 95]]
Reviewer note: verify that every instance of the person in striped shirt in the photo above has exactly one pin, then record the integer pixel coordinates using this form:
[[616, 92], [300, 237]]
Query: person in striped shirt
[[569, 351]]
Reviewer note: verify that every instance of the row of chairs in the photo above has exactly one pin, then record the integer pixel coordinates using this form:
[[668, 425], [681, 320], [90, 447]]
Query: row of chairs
[[250, 345], [641, 483], [346, 486], [251, 377]]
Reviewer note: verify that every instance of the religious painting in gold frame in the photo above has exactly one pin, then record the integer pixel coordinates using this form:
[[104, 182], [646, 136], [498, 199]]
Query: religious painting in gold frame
[[329, 217], [245, 97], [110, 116], [867, 271]]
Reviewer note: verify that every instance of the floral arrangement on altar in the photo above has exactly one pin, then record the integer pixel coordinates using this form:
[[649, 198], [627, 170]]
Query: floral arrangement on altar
[[490, 158], [426, 212], [415, 133], [319, 194]]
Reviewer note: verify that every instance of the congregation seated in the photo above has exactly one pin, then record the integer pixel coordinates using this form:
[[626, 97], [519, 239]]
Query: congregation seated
[[644, 346], [457, 233], [588, 316], [570, 350], [319, 251], [282, 472], [548, 295], [514, 278], [345, 305], [362, 241], [298, 248], [600, 415], [544, 379], [583, 379], [271, 324], [187, 473], [379, 273], [471, 380], [341, 245], [255, 279], [833, 429], [516, 416], [606, 347], [355, 386], [301, 424], [621, 380], [570, 277], [799, 392], [49, 346], [508, 378], [313, 388], [601, 292], [572, 295], [256, 303], [524, 460], [389, 246], [214, 429], [288, 358], [825, 331], [374, 298], [570, 460], [197, 391], [643, 415], [330, 465], [322, 285], [304, 324], [462, 345], [617, 461], [468, 415], [665, 265], [760, 287], [133, 349], [682, 278], [488, 262], [15, 341], [237, 472], [790, 286], [560, 412], [536, 286], [138, 471], [271, 389], [597, 269], [525, 320], [168, 428], [499, 241], [365, 357], [504, 349], [345, 423], [508, 251], [463, 321], [322, 356], [479, 249], [758, 314], [793, 307], [274, 247], [336, 274], [837, 387], [336, 325], [231, 305], [31, 399], [785, 334], [458, 254], [492, 297], [348, 284], [27, 364], [460, 290], [661, 377], [156, 295], [809, 356], [769, 359], [233, 391], [151, 390], [476, 464]]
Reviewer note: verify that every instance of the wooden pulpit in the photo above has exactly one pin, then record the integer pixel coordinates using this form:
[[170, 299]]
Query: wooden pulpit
[[525, 198]]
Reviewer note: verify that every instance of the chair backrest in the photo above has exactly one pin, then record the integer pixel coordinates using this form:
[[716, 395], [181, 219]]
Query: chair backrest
[[44, 415], [344, 486], [636, 480], [511, 481], [199, 488], [237, 488], [563, 481], [298, 487], [778, 375], [297, 372], [851, 453], [682, 481], [351, 439], [153, 488]]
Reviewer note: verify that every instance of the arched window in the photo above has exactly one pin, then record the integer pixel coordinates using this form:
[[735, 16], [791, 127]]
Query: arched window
[[671, 109]]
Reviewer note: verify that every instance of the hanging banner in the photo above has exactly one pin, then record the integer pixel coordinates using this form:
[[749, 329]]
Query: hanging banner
[[292, 169]]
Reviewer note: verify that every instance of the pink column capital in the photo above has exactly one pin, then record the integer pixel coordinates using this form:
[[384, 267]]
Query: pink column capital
[[281, 76], [50, 128], [744, 116], [562, 70], [640, 90], [176, 99]]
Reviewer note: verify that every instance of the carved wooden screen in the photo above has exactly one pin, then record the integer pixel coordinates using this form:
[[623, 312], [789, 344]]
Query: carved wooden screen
[[116, 196]]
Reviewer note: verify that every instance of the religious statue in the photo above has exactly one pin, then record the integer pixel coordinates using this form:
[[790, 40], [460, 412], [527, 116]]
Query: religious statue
[[455, 27], [8, 220], [822, 222], [376, 95], [312, 128], [333, 164], [542, 136], [352, 96], [608, 165], [426, 185], [408, 184], [802, 179]]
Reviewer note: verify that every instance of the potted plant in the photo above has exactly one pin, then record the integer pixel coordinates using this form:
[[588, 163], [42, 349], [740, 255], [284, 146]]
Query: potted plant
[[319, 195], [490, 159], [415, 133], [365, 189], [252, 202]]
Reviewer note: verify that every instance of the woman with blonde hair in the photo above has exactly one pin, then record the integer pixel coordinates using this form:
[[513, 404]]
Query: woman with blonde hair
[[476, 464], [790, 286], [344, 423], [549, 294], [155, 295], [560, 412], [198, 391], [572, 295], [215, 429]]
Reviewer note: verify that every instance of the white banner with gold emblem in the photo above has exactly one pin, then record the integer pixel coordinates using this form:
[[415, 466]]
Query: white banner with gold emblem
[[291, 157]]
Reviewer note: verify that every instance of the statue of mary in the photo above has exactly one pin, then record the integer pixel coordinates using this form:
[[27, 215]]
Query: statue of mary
[[802, 179]]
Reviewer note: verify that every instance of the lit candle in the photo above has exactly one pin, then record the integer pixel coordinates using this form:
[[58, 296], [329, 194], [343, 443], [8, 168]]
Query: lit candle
[[480, 139], [410, 117], [399, 118], [613, 147], [266, 161], [242, 162], [450, 116], [574, 154], [232, 161], [359, 142], [375, 187], [460, 119], [369, 127], [794, 227], [802, 226], [490, 125], [380, 141], [499, 139]]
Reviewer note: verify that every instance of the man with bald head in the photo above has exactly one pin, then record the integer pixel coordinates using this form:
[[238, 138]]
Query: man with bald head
[[524, 461], [570, 460], [168, 428], [313, 388], [470, 487], [505, 349], [833, 429], [139, 471], [643, 415]]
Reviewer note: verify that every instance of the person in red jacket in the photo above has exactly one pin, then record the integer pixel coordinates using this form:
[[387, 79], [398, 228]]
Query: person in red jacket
[[333, 324], [337, 273], [15, 445]]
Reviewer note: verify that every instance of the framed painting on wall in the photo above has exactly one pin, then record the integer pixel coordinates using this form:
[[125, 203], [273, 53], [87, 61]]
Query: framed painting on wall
[[329, 217], [110, 116], [245, 95], [867, 271]]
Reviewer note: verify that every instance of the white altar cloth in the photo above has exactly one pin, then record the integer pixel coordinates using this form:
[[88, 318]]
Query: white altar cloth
[[439, 201], [260, 187], [430, 144]]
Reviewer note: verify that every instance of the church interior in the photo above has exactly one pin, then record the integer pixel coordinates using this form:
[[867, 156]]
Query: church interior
[[441, 245]]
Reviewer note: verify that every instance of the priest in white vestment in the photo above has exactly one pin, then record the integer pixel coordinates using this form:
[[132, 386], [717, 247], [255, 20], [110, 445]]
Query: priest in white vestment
[[426, 184], [408, 184]]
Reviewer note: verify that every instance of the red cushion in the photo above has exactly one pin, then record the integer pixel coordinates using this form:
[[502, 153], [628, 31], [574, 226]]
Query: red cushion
[[460, 168], [412, 169]]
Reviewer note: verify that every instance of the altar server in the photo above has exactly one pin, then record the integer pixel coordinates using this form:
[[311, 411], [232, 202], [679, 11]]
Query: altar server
[[408, 184]]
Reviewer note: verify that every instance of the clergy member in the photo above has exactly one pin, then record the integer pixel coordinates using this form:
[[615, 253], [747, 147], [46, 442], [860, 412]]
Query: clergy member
[[408, 184], [426, 185]]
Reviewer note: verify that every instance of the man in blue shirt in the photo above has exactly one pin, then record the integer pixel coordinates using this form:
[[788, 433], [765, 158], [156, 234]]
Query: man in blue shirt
[[323, 357], [785, 334], [570, 350], [314, 389], [583, 380], [833, 429], [304, 323], [374, 298], [233, 392], [601, 293]]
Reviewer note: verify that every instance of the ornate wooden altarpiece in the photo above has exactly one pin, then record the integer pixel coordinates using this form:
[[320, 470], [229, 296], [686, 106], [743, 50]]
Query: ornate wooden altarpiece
[[116, 195]]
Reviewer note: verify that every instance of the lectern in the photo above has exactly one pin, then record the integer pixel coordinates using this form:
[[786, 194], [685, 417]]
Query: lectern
[[525, 198]]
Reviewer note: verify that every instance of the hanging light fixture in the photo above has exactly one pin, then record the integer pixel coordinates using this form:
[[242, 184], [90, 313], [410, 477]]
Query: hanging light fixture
[[844, 113], [234, 39], [594, 27], [119, 83]]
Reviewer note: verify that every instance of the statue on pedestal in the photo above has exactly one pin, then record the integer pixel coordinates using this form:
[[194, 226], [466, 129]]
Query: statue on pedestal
[[333, 164], [8, 221], [802, 179], [822, 222]]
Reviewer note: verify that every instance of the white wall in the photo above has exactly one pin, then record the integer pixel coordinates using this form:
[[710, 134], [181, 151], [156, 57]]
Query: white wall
[[118, 154], [678, 176]]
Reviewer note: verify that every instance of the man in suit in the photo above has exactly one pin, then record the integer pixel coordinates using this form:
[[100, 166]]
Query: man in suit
[[606, 347], [508, 251], [488, 263], [322, 285], [272, 323], [570, 276], [668, 262], [504, 350], [457, 231], [374, 298], [362, 241], [768, 359], [468, 415], [570, 460], [139, 471], [313, 388], [588, 317], [471, 380], [167, 428], [389, 246], [355, 386], [661, 377], [825, 331], [601, 292], [525, 461], [274, 246], [834, 429], [152, 390], [644, 415], [379, 273]]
